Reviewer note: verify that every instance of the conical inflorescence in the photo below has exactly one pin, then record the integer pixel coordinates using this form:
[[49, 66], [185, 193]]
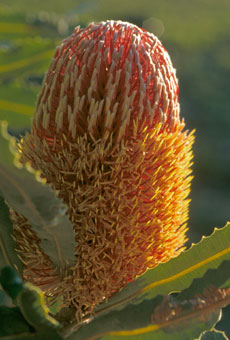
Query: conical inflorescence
[[108, 137]]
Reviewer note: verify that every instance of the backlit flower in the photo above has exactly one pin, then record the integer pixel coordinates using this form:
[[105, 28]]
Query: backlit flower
[[107, 136]]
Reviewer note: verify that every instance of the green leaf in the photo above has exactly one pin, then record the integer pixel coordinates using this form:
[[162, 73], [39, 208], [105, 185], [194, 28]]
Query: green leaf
[[178, 273], [47, 335], [27, 55], [219, 277], [8, 254], [13, 26], [11, 282], [38, 203], [213, 335], [31, 318], [4, 299], [32, 305], [146, 321], [190, 312], [12, 321], [224, 324], [17, 105], [23, 48], [50, 6]]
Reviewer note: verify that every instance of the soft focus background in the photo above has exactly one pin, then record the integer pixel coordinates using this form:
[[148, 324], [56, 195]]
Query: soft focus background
[[197, 35]]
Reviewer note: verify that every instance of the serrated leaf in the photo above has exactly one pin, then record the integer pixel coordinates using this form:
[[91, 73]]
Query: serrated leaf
[[8, 254], [218, 277], [178, 273], [137, 322], [184, 316], [38, 203]]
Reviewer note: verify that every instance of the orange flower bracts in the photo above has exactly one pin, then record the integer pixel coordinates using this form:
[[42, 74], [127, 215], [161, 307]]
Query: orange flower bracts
[[107, 136]]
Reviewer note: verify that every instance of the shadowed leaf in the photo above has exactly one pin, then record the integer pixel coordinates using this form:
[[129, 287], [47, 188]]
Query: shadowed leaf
[[151, 320], [35, 336], [30, 318], [218, 277], [8, 254], [4, 299], [38, 203], [12, 321], [10, 281], [183, 315], [224, 324]]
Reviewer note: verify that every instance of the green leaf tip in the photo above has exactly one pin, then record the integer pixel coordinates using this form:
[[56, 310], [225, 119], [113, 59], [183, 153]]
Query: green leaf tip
[[32, 305]]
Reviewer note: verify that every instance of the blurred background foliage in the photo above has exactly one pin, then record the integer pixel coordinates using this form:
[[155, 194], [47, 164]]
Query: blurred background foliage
[[196, 33]]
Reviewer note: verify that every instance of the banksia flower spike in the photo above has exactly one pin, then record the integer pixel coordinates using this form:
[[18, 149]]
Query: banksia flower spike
[[108, 137]]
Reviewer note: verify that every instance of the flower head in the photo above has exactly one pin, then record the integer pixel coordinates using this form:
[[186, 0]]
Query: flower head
[[107, 136]]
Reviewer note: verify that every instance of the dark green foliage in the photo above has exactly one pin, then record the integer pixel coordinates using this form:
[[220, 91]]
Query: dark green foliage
[[12, 321], [11, 282], [213, 335], [224, 323], [4, 299]]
